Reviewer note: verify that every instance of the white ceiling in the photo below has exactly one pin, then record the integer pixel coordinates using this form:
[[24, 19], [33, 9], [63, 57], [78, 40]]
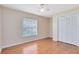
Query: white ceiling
[[34, 8]]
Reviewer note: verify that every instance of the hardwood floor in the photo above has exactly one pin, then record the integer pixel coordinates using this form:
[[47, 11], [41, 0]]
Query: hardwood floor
[[43, 46]]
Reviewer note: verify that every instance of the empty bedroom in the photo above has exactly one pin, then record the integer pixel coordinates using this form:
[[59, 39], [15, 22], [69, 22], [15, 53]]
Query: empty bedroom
[[39, 28]]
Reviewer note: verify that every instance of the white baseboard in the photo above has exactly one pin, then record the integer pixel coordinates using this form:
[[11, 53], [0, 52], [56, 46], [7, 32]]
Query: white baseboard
[[6, 46]]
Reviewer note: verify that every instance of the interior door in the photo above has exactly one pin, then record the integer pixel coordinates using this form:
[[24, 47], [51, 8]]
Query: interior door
[[65, 29], [75, 25], [68, 28]]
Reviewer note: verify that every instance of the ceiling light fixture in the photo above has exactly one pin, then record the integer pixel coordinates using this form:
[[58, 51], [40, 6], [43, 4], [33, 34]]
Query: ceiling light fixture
[[43, 7]]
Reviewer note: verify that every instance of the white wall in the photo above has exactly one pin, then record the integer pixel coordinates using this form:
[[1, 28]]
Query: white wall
[[54, 28], [12, 27]]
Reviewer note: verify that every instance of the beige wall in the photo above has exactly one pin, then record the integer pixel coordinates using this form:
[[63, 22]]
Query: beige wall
[[51, 28], [67, 11], [12, 27], [0, 26]]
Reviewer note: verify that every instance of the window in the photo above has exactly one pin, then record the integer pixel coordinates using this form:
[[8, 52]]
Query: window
[[29, 27]]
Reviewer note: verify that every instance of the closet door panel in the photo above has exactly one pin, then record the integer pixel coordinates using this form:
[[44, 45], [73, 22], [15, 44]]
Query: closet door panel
[[70, 22], [62, 29], [65, 29], [76, 29]]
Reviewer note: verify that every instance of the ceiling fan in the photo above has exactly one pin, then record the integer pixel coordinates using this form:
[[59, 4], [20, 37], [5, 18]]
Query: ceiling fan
[[44, 7]]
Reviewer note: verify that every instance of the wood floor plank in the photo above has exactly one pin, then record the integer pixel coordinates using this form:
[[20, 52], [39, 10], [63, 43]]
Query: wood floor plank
[[43, 46]]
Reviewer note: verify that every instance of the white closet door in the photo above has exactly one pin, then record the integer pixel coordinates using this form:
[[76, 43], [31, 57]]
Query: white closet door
[[68, 29], [61, 29], [65, 29], [76, 29]]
